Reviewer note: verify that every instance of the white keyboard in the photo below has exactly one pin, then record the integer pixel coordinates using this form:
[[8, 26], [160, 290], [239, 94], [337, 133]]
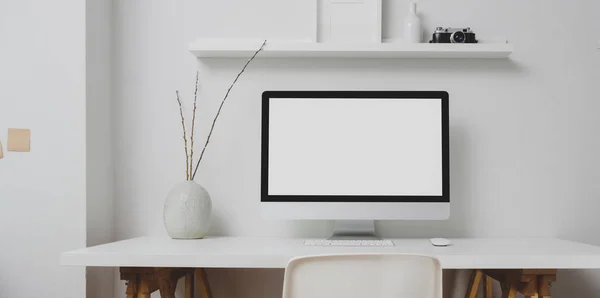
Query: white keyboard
[[325, 242]]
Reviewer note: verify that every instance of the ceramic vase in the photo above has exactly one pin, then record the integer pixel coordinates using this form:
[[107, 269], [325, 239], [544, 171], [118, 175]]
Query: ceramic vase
[[187, 211], [412, 26]]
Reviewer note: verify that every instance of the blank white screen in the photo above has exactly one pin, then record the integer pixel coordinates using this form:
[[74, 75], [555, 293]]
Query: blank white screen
[[355, 146]]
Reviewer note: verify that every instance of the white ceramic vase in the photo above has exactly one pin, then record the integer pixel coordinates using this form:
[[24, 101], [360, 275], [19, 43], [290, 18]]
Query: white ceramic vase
[[187, 211], [412, 26]]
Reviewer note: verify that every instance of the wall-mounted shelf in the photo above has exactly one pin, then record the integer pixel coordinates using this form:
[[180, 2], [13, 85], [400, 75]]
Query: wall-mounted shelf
[[206, 48]]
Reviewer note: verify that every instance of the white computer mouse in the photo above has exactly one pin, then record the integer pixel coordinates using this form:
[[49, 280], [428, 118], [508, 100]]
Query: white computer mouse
[[440, 242]]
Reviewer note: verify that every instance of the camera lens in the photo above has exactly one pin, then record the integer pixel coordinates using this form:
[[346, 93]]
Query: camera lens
[[457, 37]]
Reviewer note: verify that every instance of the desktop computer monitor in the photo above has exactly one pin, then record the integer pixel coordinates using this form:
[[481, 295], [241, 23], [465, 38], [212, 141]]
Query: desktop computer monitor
[[355, 155]]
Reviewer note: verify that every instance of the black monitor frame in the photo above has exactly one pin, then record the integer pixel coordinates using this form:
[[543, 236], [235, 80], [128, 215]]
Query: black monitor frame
[[444, 198]]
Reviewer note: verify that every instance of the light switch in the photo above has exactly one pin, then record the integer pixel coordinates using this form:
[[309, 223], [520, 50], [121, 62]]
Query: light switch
[[1, 151], [18, 140]]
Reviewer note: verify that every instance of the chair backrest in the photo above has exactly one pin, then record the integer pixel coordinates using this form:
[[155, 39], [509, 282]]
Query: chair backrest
[[363, 276]]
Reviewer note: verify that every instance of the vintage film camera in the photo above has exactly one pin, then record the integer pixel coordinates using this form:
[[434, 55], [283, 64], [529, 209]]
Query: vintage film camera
[[453, 35]]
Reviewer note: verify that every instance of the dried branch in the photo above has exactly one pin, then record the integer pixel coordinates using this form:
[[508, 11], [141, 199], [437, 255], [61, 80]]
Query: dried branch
[[193, 125], [187, 167], [221, 107]]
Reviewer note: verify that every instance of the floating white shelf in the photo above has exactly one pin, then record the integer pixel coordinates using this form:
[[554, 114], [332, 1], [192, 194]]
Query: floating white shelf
[[206, 48]]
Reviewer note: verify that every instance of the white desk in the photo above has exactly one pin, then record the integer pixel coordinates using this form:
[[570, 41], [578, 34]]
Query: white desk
[[489, 253], [484, 253]]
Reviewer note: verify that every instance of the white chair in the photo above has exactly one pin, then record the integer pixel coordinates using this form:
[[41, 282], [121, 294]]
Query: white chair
[[363, 276]]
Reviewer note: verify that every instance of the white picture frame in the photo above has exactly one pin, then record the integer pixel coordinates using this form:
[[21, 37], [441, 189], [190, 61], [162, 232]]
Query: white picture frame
[[349, 21]]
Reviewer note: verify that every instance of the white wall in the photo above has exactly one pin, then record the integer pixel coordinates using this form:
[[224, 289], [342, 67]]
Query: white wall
[[100, 199], [42, 193], [523, 131]]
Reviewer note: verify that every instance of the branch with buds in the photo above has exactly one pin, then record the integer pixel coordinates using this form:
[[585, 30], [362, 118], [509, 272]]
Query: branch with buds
[[189, 157]]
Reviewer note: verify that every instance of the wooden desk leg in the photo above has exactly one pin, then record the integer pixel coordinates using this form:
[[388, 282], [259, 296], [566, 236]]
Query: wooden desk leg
[[167, 281], [533, 283], [488, 287], [132, 287], [203, 283], [474, 282], [189, 285], [144, 289], [544, 282], [509, 291], [142, 282]]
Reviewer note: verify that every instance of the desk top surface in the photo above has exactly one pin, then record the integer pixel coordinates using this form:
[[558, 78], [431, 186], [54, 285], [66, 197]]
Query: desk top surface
[[247, 252]]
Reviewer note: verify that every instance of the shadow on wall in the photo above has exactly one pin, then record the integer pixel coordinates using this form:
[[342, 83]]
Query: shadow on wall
[[460, 222], [576, 283], [221, 223], [382, 66], [246, 283]]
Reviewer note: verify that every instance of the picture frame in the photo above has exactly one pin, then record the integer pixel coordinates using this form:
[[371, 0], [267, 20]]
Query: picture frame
[[349, 21]]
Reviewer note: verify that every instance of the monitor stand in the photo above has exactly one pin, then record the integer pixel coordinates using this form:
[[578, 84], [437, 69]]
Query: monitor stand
[[354, 230]]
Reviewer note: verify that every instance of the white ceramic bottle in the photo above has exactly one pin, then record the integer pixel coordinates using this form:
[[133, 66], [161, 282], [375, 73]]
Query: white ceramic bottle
[[412, 26]]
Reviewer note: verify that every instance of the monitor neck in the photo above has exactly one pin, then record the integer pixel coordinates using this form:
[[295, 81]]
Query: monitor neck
[[354, 229]]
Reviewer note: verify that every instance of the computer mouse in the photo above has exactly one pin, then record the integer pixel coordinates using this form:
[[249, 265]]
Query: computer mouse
[[440, 242]]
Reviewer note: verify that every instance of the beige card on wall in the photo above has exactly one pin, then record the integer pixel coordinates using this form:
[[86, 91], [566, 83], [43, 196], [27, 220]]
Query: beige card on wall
[[18, 140]]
